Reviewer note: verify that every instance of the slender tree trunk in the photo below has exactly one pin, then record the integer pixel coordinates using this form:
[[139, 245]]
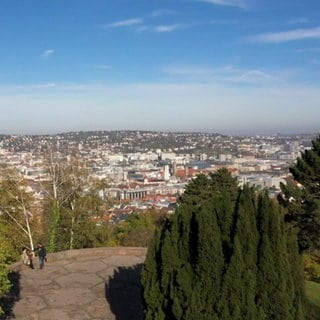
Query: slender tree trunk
[[54, 169], [73, 221], [54, 227], [28, 228]]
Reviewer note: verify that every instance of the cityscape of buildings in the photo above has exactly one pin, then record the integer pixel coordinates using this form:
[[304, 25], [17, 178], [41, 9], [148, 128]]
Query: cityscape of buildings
[[151, 169]]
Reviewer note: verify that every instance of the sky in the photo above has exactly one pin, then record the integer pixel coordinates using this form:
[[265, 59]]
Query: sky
[[223, 66]]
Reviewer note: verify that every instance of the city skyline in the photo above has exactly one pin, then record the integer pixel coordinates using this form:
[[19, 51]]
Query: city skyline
[[227, 66]]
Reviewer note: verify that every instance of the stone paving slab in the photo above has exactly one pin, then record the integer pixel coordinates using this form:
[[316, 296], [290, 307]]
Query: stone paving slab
[[86, 284]]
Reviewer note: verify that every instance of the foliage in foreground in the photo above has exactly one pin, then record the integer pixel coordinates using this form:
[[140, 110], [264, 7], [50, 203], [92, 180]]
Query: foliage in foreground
[[312, 266], [313, 295], [302, 202], [138, 230], [225, 255], [6, 258]]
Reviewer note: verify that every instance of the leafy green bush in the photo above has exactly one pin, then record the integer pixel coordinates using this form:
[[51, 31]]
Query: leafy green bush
[[6, 258], [312, 267]]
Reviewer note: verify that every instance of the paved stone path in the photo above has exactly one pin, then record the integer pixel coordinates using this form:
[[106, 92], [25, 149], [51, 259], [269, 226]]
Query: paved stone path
[[86, 284]]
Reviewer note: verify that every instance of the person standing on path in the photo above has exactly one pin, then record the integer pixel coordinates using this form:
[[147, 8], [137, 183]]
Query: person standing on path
[[42, 253], [26, 257]]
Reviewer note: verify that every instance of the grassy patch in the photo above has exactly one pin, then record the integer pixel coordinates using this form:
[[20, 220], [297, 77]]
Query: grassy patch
[[313, 295]]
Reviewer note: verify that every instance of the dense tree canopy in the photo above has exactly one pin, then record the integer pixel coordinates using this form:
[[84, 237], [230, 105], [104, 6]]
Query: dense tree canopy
[[137, 230], [65, 219], [302, 200], [7, 256], [17, 208], [225, 254], [72, 203]]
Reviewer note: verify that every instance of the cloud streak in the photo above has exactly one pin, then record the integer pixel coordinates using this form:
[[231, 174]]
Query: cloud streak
[[142, 25], [231, 3], [47, 53], [166, 28], [228, 74], [285, 36], [123, 23]]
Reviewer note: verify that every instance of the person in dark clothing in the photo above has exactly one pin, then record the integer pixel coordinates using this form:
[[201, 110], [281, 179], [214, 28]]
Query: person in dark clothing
[[42, 253]]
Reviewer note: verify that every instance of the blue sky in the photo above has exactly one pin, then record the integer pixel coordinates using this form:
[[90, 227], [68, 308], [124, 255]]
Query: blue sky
[[227, 66]]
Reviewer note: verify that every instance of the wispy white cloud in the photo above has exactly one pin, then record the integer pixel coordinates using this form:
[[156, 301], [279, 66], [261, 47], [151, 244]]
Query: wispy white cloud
[[46, 85], [232, 3], [228, 74], [47, 53], [254, 75], [123, 23], [285, 36], [160, 28], [143, 24], [166, 28]]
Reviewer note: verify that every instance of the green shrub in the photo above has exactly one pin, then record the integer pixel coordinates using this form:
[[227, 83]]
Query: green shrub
[[312, 267]]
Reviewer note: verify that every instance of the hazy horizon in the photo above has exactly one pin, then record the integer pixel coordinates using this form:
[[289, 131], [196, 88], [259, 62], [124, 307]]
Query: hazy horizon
[[244, 134], [228, 66]]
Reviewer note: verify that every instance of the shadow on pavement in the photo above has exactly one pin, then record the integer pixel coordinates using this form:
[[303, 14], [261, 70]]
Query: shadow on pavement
[[8, 300], [123, 292]]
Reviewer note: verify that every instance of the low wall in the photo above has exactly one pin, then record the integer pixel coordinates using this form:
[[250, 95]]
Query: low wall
[[88, 253], [96, 252]]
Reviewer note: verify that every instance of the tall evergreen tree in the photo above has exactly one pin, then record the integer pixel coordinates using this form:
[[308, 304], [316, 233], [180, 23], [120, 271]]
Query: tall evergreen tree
[[207, 263], [275, 284], [197, 190], [152, 278], [297, 273], [239, 282], [225, 191], [303, 202], [189, 274]]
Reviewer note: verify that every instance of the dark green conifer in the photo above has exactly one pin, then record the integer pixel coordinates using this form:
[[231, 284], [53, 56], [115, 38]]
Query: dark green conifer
[[225, 192], [208, 265], [197, 190], [153, 294], [296, 270], [239, 282], [275, 293], [223, 255]]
